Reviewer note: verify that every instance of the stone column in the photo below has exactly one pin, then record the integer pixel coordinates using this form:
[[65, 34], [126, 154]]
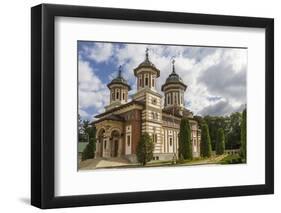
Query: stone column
[[120, 147]]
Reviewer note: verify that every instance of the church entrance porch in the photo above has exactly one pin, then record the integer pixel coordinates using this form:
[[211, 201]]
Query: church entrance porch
[[115, 143], [109, 139]]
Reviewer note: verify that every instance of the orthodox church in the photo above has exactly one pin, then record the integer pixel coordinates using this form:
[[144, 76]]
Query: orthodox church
[[120, 127]]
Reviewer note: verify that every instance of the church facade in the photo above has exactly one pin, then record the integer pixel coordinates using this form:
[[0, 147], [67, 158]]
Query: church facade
[[119, 128]]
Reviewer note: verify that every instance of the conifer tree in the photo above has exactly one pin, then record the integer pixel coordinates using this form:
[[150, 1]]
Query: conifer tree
[[145, 149], [205, 147], [89, 151], [243, 148], [220, 143], [185, 146]]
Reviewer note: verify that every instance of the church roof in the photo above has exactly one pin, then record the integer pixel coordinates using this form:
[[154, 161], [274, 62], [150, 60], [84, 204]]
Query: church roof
[[119, 80], [173, 78], [147, 64], [119, 107], [178, 111], [111, 117]]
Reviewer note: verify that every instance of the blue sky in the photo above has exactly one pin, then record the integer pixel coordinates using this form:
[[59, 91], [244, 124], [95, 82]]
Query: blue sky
[[216, 77]]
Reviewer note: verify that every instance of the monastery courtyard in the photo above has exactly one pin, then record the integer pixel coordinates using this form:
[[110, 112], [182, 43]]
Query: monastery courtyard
[[119, 162]]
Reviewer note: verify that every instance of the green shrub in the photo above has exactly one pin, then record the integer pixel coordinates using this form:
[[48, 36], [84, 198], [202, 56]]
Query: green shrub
[[231, 159], [220, 144], [205, 146], [145, 149], [185, 146], [243, 148], [89, 151]]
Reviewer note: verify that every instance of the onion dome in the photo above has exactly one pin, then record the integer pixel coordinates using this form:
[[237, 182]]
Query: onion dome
[[119, 80], [174, 78], [147, 64]]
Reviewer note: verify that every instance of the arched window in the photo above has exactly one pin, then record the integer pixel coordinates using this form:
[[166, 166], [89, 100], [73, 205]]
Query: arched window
[[154, 138], [123, 95], [117, 95], [146, 80], [168, 98]]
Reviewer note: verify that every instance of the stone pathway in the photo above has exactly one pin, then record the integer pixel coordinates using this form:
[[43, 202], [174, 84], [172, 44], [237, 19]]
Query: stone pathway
[[103, 163], [122, 162]]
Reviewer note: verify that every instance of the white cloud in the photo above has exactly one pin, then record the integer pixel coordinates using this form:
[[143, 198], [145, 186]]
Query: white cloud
[[84, 115], [100, 52], [229, 65], [92, 92], [191, 62]]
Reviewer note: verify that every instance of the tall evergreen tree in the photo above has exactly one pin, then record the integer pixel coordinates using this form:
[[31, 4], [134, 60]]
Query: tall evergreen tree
[[89, 151], [145, 149], [220, 143], [185, 146], [205, 148], [243, 148]]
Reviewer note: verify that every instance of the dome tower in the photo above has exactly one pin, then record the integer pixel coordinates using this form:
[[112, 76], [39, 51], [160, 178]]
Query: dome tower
[[174, 89], [146, 74], [119, 89]]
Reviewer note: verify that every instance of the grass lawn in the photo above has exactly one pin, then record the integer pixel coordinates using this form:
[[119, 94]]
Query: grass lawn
[[195, 161], [220, 159], [231, 159]]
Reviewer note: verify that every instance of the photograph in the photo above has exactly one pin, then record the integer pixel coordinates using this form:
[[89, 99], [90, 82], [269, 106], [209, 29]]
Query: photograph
[[144, 105], [136, 105]]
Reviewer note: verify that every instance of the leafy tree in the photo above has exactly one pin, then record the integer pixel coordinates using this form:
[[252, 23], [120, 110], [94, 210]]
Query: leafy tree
[[86, 131], [231, 127], [89, 151], [185, 146], [213, 123], [80, 129], [205, 146], [90, 132], [233, 133], [243, 149], [145, 149], [220, 145], [200, 120]]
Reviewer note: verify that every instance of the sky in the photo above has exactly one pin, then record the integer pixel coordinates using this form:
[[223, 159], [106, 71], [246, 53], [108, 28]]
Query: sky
[[215, 77]]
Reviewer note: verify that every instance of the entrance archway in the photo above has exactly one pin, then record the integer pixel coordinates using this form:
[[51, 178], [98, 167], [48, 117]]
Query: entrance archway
[[100, 142], [115, 138]]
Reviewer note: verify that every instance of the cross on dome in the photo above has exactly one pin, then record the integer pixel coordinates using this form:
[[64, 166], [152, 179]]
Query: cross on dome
[[146, 53], [120, 71], [173, 62]]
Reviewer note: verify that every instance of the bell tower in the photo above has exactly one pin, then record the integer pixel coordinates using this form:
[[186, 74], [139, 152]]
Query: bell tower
[[147, 74], [119, 89], [174, 89]]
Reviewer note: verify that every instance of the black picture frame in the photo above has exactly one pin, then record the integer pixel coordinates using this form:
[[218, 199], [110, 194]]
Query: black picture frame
[[43, 105]]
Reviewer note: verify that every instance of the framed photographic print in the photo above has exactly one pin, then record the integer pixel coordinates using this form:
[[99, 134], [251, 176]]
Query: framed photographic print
[[139, 106]]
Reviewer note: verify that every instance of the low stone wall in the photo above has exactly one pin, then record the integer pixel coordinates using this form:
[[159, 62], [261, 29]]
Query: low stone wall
[[156, 157]]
